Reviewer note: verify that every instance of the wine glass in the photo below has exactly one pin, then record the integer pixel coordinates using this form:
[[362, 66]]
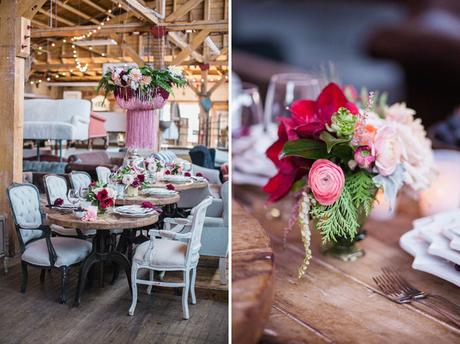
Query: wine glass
[[72, 196], [284, 89], [250, 111]]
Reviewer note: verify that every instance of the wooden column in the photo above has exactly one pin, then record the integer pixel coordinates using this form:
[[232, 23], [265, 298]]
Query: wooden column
[[11, 106]]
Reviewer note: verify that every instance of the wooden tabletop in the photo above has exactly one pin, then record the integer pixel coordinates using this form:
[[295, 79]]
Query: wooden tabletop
[[105, 221], [182, 186], [252, 277], [338, 301], [154, 200]]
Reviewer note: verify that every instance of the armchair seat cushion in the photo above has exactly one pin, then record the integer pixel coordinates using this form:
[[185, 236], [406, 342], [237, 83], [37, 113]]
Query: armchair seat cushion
[[214, 222], [68, 250], [167, 254]]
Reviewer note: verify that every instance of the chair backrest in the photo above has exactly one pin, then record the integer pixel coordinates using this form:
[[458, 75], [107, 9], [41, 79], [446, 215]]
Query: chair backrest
[[79, 179], [165, 156], [55, 187], [103, 174], [225, 201], [201, 156], [25, 205], [198, 214]]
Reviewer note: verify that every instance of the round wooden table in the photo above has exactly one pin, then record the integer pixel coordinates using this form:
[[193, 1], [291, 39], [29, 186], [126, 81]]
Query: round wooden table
[[181, 186], [100, 252], [159, 201]]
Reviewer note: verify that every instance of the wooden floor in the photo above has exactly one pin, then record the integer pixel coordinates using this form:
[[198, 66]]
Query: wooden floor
[[37, 317]]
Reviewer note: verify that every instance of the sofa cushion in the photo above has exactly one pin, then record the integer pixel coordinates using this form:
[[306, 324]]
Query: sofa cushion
[[43, 166], [47, 130]]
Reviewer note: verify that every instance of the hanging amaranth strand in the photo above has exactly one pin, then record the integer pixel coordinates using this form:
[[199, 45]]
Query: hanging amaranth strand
[[304, 220]]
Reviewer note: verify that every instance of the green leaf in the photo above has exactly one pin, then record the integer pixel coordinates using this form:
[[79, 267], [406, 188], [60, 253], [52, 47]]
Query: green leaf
[[343, 151], [331, 140], [305, 148], [299, 185]]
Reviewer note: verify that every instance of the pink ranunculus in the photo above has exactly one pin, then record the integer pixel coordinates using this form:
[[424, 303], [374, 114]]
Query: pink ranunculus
[[326, 181], [363, 156], [388, 150]]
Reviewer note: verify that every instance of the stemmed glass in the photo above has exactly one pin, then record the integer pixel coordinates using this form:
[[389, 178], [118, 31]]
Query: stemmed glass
[[83, 195], [250, 109], [72, 196], [284, 89]]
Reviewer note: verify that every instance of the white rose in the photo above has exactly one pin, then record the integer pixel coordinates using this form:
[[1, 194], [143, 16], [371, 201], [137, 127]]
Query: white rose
[[128, 179]]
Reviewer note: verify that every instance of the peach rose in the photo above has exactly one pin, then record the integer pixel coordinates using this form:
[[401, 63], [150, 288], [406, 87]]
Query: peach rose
[[387, 146], [326, 181]]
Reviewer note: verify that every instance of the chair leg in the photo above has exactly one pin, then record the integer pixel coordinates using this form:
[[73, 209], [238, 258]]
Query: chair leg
[[42, 275], [149, 287], [185, 294], [64, 280], [192, 286], [222, 270], [133, 288], [24, 277]]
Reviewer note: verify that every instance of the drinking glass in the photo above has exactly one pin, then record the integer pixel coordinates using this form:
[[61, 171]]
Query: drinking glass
[[72, 196], [250, 109], [284, 89]]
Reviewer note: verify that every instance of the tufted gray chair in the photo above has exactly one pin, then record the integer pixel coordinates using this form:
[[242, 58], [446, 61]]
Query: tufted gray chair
[[103, 174], [79, 179], [176, 251], [56, 187], [38, 248]]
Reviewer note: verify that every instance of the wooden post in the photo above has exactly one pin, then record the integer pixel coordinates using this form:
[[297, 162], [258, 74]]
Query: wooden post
[[11, 106]]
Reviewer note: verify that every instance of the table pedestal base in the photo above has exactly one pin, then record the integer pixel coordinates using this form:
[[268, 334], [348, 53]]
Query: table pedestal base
[[99, 255]]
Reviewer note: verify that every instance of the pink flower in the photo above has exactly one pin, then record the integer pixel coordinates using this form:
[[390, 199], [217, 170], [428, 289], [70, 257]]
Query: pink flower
[[135, 74], [388, 150], [326, 181], [363, 156]]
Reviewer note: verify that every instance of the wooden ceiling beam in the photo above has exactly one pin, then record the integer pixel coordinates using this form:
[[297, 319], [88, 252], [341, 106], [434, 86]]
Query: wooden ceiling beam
[[80, 30], [28, 8], [142, 10], [194, 44], [77, 12], [97, 7], [39, 24], [183, 10], [128, 49], [56, 17], [213, 26]]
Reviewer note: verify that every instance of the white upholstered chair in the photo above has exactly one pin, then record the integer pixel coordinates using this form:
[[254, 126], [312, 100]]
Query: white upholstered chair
[[173, 252], [56, 187], [214, 241], [38, 248], [79, 179], [103, 174]]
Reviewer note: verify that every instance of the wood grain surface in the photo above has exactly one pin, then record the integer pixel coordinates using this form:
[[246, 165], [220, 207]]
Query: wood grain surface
[[181, 186], [154, 200], [252, 277], [337, 302], [105, 221]]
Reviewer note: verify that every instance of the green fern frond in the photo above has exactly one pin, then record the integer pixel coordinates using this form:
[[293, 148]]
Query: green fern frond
[[362, 190]]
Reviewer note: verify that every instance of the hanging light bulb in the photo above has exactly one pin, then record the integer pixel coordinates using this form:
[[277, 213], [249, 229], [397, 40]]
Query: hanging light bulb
[[64, 41]]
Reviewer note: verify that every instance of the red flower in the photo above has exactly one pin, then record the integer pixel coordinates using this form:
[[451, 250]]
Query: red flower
[[102, 195], [108, 202], [136, 183], [141, 178], [167, 172], [309, 117], [92, 184], [290, 169], [147, 204], [58, 202], [187, 174], [170, 187], [199, 174]]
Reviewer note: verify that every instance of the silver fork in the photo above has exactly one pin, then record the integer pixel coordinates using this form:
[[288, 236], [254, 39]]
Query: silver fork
[[397, 289]]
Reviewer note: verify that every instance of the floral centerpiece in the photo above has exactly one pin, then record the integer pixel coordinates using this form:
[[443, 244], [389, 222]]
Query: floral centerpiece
[[173, 168], [101, 196], [335, 153], [131, 177], [140, 90]]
